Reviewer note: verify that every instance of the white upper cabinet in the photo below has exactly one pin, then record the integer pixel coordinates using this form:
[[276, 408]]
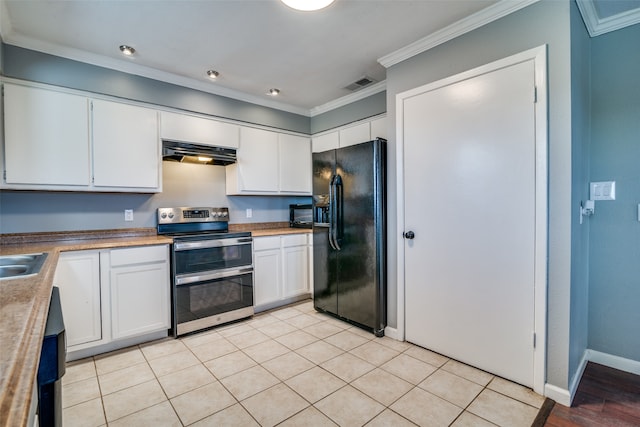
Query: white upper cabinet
[[198, 130], [355, 135], [379, 128], [270, 163], [350, 135], [256, 171], [46, 138], [295, 164], [60, 141], [126, 147], [328, 141]]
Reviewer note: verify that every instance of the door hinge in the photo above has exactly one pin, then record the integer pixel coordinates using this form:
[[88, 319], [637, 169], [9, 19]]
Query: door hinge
[[535, 94], [534, 340]]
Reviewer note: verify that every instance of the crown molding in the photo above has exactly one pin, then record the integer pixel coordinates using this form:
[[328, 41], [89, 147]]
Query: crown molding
[[465, 25], [129, 66], [348, 99], [597, 26]]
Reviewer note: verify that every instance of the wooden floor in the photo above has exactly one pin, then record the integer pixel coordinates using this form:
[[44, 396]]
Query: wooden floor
[[605, 397]]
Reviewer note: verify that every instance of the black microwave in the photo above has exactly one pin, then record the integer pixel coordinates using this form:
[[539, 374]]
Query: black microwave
[[300, 216]]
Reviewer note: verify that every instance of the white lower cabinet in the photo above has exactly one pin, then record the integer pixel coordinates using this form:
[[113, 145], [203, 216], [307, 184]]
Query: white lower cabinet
[[267, 270], [281, 270], [113, 298], [78, 277], [139, 291]]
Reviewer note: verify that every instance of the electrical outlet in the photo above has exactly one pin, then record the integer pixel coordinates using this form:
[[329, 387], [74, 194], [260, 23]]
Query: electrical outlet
[[249, 212], [128, 214]]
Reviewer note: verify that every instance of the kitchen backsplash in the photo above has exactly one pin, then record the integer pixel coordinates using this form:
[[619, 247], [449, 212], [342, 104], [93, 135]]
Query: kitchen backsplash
[[183, 185]]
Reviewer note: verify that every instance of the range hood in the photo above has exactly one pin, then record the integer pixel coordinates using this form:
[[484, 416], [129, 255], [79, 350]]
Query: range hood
[[178, 151]]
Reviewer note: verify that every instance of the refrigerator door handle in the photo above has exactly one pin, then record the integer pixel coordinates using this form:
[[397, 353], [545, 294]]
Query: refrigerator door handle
[[337, 215], [331, 212]]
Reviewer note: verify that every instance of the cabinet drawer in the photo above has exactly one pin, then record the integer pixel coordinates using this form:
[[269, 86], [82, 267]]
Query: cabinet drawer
[[139, 255], [266, 243], [294, 240]]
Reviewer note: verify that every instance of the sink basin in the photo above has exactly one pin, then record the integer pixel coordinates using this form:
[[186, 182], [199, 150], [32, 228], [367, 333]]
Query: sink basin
[[15, 266]]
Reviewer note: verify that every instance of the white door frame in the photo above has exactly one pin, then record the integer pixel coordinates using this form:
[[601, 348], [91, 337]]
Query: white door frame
[[539, 56]]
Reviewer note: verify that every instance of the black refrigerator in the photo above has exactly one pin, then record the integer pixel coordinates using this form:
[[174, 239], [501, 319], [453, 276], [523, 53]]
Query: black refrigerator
[[349, 234]]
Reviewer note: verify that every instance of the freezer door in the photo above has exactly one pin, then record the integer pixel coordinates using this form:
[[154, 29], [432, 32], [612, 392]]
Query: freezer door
[[325, 273], [361, 260]]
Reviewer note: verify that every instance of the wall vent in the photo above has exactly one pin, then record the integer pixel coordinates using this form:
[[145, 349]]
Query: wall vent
[[360, 83]]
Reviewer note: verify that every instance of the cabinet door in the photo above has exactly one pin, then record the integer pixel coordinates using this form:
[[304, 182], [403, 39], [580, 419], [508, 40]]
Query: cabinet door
[[46, 137], [257, 167], [328, 141], [183, 127], [126, 147], [355, 135], [379, 128], [295, 164], [296, 274], [78, 277], [140, 294], [267, 276], [139, 305]]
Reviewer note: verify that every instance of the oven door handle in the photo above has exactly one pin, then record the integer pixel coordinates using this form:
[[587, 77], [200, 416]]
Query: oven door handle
[[211, 275], [215, 243]]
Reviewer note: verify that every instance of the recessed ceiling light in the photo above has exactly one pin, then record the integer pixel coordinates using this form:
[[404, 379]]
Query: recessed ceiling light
[[213, 74], [307, 5], [127, 50], [274, 92]]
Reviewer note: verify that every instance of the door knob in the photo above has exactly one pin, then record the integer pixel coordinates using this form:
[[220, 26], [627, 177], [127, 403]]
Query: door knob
[[409, 235]]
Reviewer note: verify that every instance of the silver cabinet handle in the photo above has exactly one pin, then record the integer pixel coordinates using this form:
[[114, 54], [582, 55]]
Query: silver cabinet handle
[[210, 275]]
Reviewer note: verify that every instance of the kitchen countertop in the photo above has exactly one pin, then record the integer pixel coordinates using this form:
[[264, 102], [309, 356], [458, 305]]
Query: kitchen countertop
[[261, 229], [24, 304]]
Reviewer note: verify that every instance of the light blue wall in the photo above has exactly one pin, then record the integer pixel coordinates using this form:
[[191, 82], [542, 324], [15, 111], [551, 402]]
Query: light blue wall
[[184, 185], [359, 110], [43, 68], [545, 22], [614, 275], [580, 136]]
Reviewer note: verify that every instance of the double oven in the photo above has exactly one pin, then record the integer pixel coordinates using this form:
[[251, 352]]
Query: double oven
[[212, 269]]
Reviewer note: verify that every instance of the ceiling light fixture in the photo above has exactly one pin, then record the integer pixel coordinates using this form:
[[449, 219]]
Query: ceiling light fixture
[[213, 74], [127, 50], [307, 5], [274, 92]]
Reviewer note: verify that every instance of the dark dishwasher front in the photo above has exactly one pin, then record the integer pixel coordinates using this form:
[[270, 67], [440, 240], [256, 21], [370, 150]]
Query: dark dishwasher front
[[52, 365]]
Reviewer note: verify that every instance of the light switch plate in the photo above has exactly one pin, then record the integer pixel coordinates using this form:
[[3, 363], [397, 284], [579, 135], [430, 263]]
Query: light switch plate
[[604, 190]]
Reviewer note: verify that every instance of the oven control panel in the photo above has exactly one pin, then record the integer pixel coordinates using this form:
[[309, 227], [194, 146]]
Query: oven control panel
[[185, 215]]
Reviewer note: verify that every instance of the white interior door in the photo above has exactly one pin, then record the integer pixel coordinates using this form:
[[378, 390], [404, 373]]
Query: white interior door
[[470, 199]]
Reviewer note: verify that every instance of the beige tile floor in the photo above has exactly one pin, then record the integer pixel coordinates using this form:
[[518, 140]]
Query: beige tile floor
[[289, 367]]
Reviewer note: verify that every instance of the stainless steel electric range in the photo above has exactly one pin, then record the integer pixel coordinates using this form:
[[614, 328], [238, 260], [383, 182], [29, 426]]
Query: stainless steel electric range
[[212, 269]]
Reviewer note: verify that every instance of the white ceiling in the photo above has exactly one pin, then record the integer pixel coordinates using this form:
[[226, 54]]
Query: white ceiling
[[254, 44]]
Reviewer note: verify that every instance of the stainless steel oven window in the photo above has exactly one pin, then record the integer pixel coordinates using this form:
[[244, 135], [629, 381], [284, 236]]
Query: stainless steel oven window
[[208, 298]]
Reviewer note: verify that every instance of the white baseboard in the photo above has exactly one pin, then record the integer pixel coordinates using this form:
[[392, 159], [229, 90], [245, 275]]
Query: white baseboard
[[616, 362], [558, 394], [392, 333], [565, 397]]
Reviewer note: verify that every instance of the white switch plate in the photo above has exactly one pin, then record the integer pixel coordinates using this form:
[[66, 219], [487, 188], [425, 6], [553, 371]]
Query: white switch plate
[[128, 214], [604, 190], [249, 212]]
